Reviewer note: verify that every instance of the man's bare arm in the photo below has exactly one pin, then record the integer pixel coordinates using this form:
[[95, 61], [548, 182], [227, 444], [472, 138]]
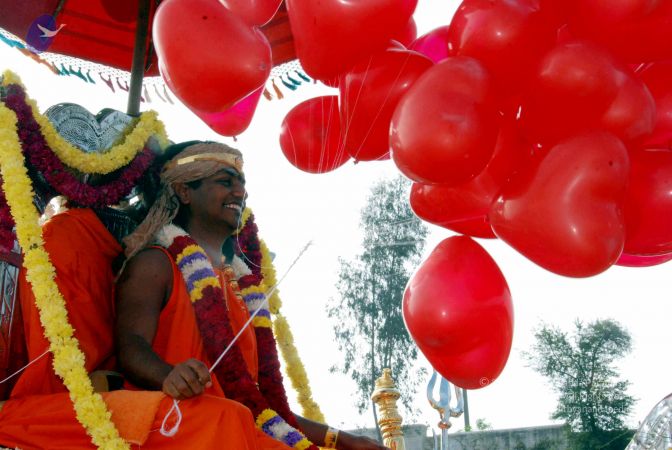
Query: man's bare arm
[[142, 293], [140, 296]]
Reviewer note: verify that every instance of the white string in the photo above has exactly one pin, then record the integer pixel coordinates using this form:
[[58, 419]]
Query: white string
[[260, 307], [173, 431], [176, 408], [24, 367]]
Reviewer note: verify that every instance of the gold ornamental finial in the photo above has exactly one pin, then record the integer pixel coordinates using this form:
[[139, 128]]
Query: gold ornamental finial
[[385, 396]]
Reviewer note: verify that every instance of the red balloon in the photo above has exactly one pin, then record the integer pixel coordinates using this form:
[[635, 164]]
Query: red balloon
[[310, 135], [658, 78], [253, 12], [555, 11], [648, 207], [236, 119], [370, 93], [408, 34], [566, 214], [331, 36], [460, 209], [626, 260], [632, 114], [445, 128], [457, 307], [434, 44], [211, 57], [465, 208], [507, 36], [574, 85], [604, 13], [634, 30]]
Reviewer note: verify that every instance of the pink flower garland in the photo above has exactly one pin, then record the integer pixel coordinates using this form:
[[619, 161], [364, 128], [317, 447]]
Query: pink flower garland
[[42, 158]]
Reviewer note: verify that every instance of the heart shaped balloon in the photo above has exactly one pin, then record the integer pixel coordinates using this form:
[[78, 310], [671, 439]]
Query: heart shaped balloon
[[253, 12], [657, 77], [463, 209], [457, 307], [407, 35], [330, 36], [310, 135], [370, 92], [234, 120], [627, 260], [571, 90], [445, 128], [508, 37], [632, 114], [433, 45], [636, 31], [648, 206], [211, 57], [566, 214]]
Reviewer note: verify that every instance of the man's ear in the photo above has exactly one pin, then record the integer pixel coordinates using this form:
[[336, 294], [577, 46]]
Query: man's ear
[[183, 193]]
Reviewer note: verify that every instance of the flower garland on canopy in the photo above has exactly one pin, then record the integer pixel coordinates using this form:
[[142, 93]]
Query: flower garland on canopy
[[47, 162], [112, 159], [258, 258], [207, 296], [34, 130], [89, 406]]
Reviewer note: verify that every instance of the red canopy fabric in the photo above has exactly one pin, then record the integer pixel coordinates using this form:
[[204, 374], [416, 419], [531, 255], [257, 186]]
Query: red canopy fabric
[[103, 31]]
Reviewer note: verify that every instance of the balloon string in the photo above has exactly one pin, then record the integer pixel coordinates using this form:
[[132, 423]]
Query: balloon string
[[260, 307], [24, 367], [380, 109], [174, 429]]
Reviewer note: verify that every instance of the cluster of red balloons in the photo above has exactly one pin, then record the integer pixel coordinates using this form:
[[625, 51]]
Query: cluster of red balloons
[[546, 123], [214, 58], [359, 48], [573, 168]]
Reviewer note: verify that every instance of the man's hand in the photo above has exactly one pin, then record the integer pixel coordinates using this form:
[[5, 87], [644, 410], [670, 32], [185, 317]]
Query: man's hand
[[187, 379], [347, 441]]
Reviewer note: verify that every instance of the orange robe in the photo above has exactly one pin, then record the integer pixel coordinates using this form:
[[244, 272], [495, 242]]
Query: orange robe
[[81, 250], [39, 414]]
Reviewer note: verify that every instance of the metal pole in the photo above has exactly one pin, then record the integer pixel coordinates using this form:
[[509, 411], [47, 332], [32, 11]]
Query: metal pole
[[139, 52], [466, 410]]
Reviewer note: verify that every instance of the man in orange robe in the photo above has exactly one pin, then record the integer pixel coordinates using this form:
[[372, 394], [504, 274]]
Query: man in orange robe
[[159, 324], [40, 415]]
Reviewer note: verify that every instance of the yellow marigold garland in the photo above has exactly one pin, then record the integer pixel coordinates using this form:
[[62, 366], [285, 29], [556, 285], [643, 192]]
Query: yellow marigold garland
[[96, 163], [295, 370], [89, 406]]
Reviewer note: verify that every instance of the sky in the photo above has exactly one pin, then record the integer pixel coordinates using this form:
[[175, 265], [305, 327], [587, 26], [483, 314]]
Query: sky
[[293, 207]]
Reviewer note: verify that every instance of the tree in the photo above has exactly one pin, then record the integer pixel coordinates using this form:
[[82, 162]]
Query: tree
[[368, 324], [592, 399]]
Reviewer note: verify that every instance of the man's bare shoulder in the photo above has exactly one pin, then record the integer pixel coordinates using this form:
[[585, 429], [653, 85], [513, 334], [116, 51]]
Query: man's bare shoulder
[[150, 264]]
